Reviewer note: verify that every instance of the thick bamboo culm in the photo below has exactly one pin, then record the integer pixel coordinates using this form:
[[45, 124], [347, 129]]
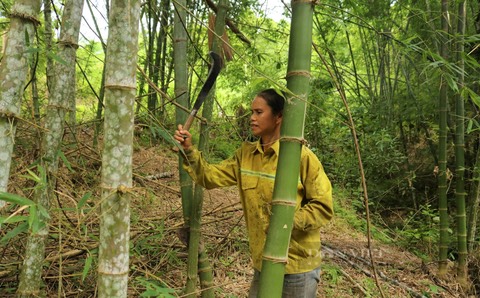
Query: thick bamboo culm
[[275, 253]]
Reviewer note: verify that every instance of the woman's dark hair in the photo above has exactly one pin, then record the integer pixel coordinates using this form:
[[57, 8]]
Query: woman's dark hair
[[273, 99]]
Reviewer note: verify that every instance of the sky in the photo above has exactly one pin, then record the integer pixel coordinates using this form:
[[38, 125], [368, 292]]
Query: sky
[[87, 27], [273, 8]]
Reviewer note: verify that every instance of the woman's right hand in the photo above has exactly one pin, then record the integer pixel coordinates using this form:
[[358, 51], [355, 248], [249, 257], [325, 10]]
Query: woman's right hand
[[183, 137]]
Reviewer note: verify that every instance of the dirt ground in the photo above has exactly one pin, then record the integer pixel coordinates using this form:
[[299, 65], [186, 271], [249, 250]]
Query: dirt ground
[[159, 258]]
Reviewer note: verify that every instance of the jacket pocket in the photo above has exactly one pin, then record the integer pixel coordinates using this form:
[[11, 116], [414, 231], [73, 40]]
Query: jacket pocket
[[249, 182], [305, 245]]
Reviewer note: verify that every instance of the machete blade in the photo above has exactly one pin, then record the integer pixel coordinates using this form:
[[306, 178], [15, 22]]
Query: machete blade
[[207, 86]]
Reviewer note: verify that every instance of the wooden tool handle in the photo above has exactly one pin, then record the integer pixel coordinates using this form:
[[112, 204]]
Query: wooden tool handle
[[190, 119]]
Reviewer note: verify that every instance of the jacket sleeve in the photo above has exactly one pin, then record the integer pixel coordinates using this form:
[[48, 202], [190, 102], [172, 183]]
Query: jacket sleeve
[[317, 206], [211, 175]]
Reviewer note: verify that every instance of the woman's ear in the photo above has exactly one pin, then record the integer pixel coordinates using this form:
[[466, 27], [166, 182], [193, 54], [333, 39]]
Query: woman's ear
[[279, 118]]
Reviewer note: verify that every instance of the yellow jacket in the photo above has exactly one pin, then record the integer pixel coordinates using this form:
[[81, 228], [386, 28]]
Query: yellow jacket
[[253, 171]]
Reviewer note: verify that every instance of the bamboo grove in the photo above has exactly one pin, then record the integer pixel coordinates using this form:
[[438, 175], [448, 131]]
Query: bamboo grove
[[396, 82]]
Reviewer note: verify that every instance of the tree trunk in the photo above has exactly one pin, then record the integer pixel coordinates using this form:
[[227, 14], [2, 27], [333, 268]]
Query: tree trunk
[[442, 152], [120, 91], [13, 74], [63, 89], [275, 253]]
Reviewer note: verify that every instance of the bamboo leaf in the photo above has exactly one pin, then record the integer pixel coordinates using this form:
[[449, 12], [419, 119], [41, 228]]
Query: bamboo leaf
[[258, 81], [43, 212], [475, 38], [87, 266], [14, 214], [84, 199], [12, 219], [451, 82], [32, 176], [470, 63], [154, 289], [56, 58], [65, 161], [159, 131], [33, 219], [260, 57], [18, 230], [469, 125], [474, 96], [15, 199], [27, 38], [162, 132], [32, 50], [42, 174]]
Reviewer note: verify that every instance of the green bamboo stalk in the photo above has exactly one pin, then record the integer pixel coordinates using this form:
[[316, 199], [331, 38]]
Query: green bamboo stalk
[[442, 154], [47, 12], [275, 253], [205, 270], [116, 179], [181, 93], [197, 259], [473, 205], [159, 60], [460, 193], [152, 21], [194, 240]]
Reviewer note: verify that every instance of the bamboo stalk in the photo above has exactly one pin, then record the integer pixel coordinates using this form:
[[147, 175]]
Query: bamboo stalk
[[275, 254], [460, 192]]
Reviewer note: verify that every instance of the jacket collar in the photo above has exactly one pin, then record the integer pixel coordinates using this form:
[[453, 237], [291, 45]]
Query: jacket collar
[[275, 147]]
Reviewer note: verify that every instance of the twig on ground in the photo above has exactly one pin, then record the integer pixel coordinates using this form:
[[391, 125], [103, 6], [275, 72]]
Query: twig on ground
[[395, 282]]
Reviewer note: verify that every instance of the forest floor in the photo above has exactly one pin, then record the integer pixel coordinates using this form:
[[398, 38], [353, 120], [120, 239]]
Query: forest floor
[[158, 257]]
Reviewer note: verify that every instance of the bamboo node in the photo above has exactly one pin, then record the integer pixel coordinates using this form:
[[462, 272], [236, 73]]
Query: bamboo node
[[302, 73], [8, 115], [275, 260], [112, 274], [294, 139], [24, 16], [284, 202], [122, 189], [202, 270], [67, 43], [59, 107], [120, 87]]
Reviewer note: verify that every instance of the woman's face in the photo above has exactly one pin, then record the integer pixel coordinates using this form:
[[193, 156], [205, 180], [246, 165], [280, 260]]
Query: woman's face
[[263, 122]]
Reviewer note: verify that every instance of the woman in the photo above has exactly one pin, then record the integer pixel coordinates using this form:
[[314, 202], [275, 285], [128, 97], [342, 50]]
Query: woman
[[252, 169]]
